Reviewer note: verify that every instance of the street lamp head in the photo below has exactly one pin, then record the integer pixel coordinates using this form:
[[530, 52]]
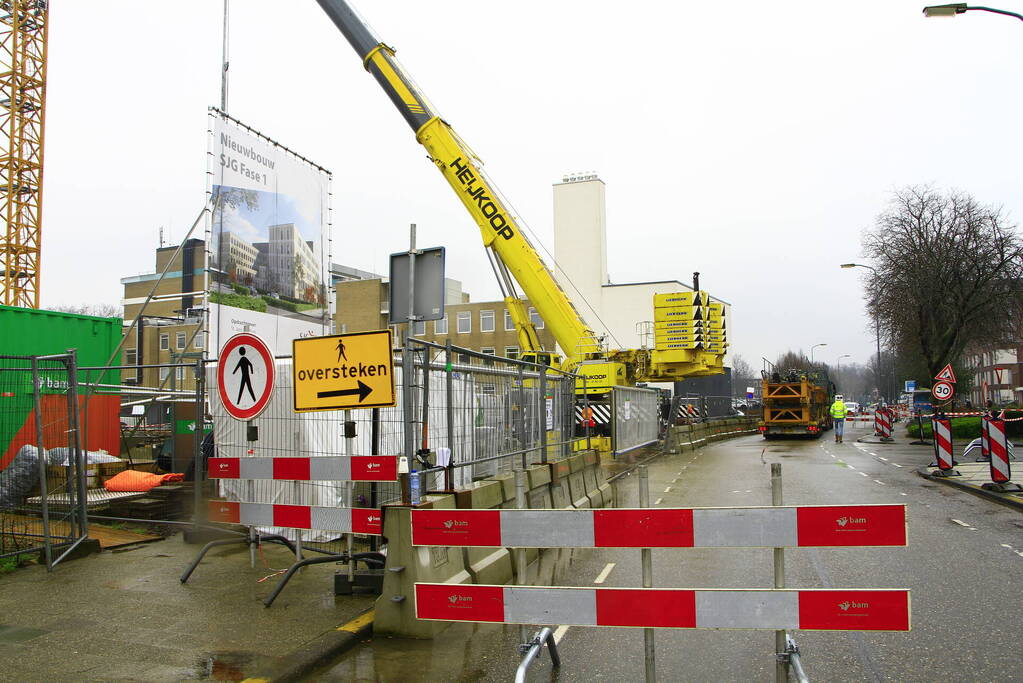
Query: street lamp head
[[945, 10], [847, 265]]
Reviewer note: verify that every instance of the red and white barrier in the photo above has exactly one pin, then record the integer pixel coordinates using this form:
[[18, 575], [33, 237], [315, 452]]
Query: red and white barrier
[[999, 450], [985, 437], [883, 423], [823, 610], [342, 520], [749, 527], [327, 468], [942, 429]]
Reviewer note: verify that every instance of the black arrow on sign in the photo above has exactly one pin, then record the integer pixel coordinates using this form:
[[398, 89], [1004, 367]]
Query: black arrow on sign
[[363, 391]]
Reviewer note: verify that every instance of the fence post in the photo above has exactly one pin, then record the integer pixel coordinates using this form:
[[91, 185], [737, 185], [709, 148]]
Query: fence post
[[780, 665], [646, 560], [586, 411], [198, 462], [44, 508], [520, 558], [449, 392], [75, 445], [543, 415], [520, 417]]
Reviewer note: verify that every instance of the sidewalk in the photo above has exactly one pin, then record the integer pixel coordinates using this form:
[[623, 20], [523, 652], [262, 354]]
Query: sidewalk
[[124, 615], [972, 476]]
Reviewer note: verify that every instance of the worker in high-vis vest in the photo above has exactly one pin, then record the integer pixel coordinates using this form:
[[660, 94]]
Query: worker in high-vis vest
[[838, 412]]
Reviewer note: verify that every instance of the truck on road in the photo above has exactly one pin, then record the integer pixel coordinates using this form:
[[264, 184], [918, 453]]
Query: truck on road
[[797, 403]]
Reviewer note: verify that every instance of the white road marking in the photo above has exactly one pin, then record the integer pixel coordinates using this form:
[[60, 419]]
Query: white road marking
[[896, 464], [878, 481], [850, 466], [602, 576], [962, 523], [559, 633], [873, 454], [882, 457], [658, 501], [831, 455], [667, 490], [674, 481], [903, 494], [1006, 545], [863, 474]]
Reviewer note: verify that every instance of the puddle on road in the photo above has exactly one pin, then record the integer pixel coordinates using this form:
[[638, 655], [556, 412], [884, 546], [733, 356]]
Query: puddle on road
[[231, 666]]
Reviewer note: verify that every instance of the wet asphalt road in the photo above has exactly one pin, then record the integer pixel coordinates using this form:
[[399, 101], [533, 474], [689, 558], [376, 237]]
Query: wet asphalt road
[[964, 564]]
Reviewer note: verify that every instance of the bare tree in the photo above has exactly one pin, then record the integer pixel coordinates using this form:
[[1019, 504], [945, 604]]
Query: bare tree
[[949, 274], [743, 376], [98, 310]]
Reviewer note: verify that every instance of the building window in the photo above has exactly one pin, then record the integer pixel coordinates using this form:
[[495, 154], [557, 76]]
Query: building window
[[535, 318], [509, 325], [164, 341], [511, 352], [489, 389], [164, 372], [440, 326], [464, 358], [419, 328], [198, 341], [131, 357], [179, 373], [489, 351], [464, 322], [180, 340], [486, 321]]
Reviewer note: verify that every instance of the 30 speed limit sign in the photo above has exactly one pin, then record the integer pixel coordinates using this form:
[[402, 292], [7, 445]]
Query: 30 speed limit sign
[[942, 391]]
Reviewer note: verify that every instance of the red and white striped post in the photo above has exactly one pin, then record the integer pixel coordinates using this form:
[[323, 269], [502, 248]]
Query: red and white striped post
[[883, 423], [999, 445], [944, 460], [985, 438]]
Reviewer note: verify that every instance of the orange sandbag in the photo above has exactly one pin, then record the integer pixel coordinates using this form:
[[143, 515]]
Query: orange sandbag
[[133, 480]]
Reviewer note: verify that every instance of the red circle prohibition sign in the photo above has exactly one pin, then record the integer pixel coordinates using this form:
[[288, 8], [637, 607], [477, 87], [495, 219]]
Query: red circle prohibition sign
[[245, 376]]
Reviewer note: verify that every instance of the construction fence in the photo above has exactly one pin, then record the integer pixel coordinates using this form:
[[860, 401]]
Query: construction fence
[[43, 466]]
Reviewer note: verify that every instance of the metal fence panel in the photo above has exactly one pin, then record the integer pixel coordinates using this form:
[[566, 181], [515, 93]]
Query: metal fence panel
[[42, 468], [636, 418]]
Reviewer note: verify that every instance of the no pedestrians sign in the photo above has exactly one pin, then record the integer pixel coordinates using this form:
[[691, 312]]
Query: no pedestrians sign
[[245, 376], [343, 371]]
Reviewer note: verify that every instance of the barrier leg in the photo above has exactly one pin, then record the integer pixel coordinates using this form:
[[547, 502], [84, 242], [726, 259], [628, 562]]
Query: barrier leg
[[646, 560], [781, 672], [228, 541], [368, 558]]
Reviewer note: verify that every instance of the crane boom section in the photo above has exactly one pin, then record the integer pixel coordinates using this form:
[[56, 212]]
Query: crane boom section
[[459, 166]]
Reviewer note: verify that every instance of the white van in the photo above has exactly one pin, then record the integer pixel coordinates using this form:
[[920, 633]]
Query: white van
[[852, 408]]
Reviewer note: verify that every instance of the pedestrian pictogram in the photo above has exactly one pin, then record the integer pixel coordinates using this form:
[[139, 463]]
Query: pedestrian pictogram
[[245, 376], [942, 391], [343, 371], [946, 374]]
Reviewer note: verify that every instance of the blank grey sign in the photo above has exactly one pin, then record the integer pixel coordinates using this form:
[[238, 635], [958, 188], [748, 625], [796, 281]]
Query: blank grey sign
[[429, 286]]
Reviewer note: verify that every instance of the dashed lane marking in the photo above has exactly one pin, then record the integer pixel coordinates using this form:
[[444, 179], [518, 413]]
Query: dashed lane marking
[[667, 490], [962, 523], [895, 464], [658, 501], [878, 481], [903, 494], [602, 576], [863, 474], [881, 457], [674, 481]]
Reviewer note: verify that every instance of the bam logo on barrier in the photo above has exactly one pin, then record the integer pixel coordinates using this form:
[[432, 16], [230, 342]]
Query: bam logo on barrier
[[845, 606], [455, 599], [452, 523], [843, 521]]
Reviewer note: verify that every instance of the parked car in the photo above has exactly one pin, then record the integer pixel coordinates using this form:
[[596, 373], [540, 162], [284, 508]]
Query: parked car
[[852, 408]]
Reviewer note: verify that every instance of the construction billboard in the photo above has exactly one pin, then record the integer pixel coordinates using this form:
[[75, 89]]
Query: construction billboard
[[269, 238]]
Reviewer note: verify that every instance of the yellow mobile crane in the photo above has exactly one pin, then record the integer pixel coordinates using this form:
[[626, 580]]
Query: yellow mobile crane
[[681, 350]]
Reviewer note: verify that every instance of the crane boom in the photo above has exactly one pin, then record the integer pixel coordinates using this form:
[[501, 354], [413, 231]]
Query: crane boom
[[501, 233]]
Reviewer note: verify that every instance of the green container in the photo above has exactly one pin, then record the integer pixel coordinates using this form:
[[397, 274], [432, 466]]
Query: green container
[[32, 332]]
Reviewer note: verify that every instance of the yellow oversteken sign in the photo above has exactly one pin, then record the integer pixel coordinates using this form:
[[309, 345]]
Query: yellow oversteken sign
[[343, 371]]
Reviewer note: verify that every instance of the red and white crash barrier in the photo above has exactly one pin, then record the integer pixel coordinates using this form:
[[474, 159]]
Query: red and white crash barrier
[[1000, 471], [747, 527], [985, 437], [824, 610], [883, 423], [326, 468], [942, 430], [342, 520]]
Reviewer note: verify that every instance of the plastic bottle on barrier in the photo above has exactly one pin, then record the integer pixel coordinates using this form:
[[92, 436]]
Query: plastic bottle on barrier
[[413, 484]]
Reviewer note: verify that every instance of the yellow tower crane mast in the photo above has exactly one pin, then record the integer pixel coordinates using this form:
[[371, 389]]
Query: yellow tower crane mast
[[23, 28]]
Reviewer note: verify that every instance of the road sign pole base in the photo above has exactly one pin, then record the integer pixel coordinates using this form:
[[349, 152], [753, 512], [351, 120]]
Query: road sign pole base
[[887, 439], [945, 473], [1008, 487]]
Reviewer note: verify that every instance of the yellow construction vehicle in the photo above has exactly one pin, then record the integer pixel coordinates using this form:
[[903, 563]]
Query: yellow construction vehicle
[[516, 261], [796, 403]]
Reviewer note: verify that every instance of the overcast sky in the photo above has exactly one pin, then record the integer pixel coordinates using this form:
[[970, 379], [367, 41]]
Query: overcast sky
[[751, 141]]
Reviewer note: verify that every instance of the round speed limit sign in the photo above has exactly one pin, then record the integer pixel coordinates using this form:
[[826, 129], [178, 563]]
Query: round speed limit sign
[[942, 391]]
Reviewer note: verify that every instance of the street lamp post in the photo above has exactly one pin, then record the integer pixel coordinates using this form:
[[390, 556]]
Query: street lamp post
[[962, 8], [877, 318], [844, 355], [814, 347]]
